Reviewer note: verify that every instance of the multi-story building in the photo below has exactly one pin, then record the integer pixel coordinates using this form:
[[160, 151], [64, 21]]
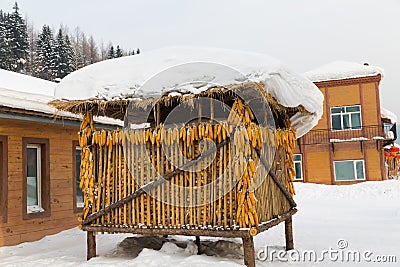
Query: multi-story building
[[347, 144]]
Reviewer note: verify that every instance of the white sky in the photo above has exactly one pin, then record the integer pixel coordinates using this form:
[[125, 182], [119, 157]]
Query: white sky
[[302, 33]]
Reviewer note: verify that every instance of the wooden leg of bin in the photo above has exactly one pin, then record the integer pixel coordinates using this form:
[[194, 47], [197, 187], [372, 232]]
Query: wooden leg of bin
[[249, 253], [198, 244], [289, 233], [91, 245]]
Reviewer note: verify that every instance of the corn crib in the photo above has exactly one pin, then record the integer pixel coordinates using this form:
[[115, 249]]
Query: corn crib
[[118, 168]]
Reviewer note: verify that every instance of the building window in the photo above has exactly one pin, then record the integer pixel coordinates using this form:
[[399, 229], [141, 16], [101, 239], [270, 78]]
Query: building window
[[78, 194], [36, 182], [34, 178], [298, 167], [349, 170], [344, 118], [3, 179]]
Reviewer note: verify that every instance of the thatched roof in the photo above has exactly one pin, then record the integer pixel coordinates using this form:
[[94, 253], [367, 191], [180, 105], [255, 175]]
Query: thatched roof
[[116, 109]]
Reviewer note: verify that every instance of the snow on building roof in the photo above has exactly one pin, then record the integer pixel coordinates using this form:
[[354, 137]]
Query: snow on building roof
[[125, 77], [24, 92], [387, 114], [340, 70]]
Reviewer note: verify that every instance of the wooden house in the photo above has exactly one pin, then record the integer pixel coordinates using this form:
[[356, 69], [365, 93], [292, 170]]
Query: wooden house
[[156, 179], [346, 146], [38, 155]]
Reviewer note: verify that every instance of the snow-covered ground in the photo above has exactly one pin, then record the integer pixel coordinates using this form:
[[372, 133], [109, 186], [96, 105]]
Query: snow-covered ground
[[364, 218]]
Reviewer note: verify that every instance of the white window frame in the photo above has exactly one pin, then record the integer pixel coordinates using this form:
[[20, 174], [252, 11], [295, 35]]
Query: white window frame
[[36, 208], [78, 203], [354, 169], [346, 113], [301, 166]]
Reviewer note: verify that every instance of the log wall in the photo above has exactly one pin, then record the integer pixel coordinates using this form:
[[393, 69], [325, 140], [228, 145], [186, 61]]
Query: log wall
[[61, 215]]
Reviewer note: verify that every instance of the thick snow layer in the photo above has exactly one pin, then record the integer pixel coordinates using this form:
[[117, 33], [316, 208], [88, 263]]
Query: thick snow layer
[[340, 70], [24, 83], [133, 76], [28, 93], [366, 216], [387, 114]]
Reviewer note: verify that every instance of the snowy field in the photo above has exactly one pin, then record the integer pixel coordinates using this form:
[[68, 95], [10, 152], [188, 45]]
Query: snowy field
[[334, 221]]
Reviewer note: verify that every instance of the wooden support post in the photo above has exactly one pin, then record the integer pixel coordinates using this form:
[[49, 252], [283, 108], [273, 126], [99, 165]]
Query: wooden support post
[[91, 245], [198, 244], [289, 233], [249, 253]]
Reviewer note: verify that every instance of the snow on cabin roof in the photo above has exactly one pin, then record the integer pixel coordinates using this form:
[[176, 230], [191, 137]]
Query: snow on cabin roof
[[24, 83], [340, 70], [124, 78], [387, 114], [25, 92]]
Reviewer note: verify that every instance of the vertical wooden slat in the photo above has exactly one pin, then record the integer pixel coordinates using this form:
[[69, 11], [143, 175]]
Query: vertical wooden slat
[[142, 178], [149, 177]]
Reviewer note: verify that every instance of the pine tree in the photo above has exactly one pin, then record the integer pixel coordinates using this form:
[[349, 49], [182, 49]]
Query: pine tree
[[63, 55], [32, 38], [5, 51], [18, 40], [70, 56], [111, 53], [118, 52], [46, 58]]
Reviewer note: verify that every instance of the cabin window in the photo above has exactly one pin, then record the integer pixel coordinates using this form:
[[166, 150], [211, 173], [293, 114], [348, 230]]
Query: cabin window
[[78, 191], [76, 170], [36, 182], [349, 170], [347, 117], [298, 167], [3, 179], [33, 178]]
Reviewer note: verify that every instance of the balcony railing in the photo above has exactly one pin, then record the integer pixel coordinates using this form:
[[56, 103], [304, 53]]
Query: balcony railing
[[327, 136]]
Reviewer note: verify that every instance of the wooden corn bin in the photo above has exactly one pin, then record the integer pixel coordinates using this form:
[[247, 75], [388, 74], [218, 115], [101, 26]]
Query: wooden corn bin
[[248, 195]]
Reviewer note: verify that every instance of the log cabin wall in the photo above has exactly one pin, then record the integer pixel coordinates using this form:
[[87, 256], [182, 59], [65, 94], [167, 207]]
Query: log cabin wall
[[319, 152], [16, 226]]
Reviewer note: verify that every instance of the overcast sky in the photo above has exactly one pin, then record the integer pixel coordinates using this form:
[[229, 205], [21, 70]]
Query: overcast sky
[[304, 34]]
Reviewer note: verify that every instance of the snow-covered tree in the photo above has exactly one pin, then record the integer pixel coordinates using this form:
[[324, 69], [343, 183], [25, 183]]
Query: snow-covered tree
[[111, 53], [46, 57], [5, 51], [18, 40], [70, 56], [64, 55], [118, 52]]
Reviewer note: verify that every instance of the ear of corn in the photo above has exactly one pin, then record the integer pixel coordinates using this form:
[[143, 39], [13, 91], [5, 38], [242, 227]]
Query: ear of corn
[[246, 134]]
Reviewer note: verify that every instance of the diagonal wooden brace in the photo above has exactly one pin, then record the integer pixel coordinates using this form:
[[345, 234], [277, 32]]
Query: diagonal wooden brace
[[281, 187], [152, 185]]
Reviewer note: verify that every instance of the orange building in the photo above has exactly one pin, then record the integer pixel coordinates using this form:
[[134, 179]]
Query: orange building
[[39, 161], [346, 146]]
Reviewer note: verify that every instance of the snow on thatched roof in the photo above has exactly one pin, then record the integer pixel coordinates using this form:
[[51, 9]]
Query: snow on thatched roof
[[340, 70], [124, 78]]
